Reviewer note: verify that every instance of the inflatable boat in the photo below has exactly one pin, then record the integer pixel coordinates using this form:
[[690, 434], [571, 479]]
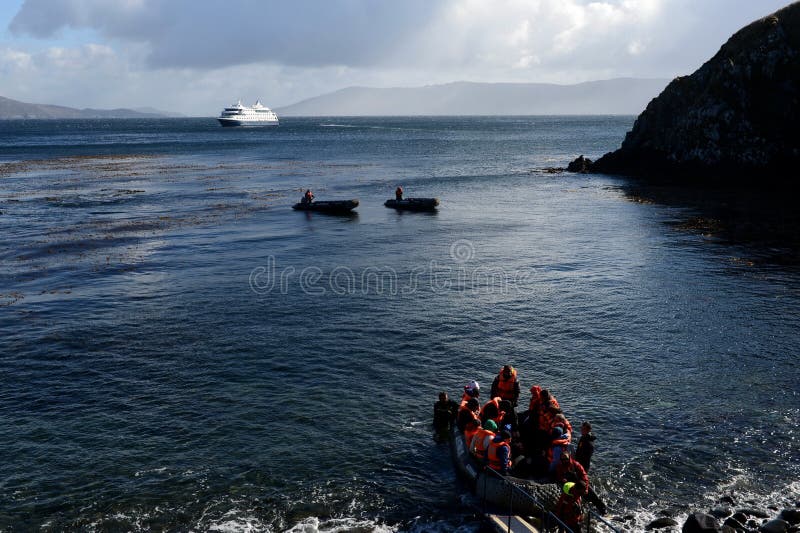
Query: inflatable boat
[[507, 492], [413, 204], [331, 206]]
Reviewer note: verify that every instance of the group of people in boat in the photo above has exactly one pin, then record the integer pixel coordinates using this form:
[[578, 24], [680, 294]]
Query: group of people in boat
[[533, 444], [308, 196]]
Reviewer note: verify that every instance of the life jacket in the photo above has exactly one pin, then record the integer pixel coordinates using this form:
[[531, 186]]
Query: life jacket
[[493, 455], [535, 400], [573, 471], [480, 443], [505, 387], [545, 417], [462, 419], [469, 434], [566, 430], [568, 509], [554, 452], [500, 414]]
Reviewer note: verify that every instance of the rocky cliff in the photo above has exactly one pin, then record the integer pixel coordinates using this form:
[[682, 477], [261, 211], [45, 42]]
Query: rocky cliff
[[735, 120]]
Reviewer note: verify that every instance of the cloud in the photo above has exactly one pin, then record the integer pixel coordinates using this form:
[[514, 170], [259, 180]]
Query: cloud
[[191, 54], [191, 34]]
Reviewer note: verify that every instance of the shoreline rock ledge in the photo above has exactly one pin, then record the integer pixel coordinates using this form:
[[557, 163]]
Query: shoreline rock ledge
[[735, 121]]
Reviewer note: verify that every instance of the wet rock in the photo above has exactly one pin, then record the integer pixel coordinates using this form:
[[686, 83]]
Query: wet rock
[[739, 517], [774, 526], [734, 523], [790, 515], [721, 512], [758, 513], [700, 523], [552, 170], [659, 523], [729, 529], [581, 165], [727, 499]]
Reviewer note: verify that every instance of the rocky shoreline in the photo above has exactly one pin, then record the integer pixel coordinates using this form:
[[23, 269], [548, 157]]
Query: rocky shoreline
[[732, 122], [727, 517]]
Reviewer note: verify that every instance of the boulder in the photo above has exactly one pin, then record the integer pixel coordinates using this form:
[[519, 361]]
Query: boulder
[[700, 523], [581, 165], [758, 513], [659, 523], [720, 512], [733, 121], [790, 515], [774, 526], [734, 523]]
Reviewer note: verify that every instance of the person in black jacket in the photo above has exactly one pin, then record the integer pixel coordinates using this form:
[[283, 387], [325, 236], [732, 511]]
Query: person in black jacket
[[444, 413], [585, 446]]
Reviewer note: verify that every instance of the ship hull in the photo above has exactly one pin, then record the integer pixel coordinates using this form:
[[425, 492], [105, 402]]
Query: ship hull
[[232, 122]]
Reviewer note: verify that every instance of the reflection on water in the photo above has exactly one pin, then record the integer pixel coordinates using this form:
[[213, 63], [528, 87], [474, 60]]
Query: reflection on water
[[150, 382]]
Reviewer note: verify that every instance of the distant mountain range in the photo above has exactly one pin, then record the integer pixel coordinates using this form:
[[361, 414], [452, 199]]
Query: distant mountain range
[[621, 96], [13, 109]]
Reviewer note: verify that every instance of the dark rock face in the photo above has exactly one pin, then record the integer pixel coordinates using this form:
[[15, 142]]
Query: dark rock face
[[700, 523], [581, 165], [736, 119]]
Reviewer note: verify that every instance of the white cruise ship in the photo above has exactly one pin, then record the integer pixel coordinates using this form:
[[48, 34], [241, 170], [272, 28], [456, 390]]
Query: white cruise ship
[[239, 115]]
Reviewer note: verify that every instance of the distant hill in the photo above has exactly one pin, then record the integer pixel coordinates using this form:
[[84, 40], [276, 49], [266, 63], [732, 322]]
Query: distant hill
[[13, 109], [622, 96]]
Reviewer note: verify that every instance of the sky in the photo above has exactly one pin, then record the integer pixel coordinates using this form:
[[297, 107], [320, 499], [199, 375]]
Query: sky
[[196, 56]]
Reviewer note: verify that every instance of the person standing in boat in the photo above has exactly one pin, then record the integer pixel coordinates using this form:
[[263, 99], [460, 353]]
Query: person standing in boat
[[506, 385], [398, 193], [308, 197]]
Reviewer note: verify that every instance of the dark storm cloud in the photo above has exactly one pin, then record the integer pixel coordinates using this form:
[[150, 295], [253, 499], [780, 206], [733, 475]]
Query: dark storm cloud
[[188, 33]]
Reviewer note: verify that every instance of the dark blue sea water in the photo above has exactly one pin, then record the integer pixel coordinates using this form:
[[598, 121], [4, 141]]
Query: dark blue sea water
[[180, 350]]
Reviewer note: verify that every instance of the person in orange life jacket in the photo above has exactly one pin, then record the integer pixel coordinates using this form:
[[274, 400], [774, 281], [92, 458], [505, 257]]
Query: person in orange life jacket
[[536, 399], [569, 469], [398, 193], [470, 430], [469, 411], [568, 509], [444, 413], [483, 437], [546, 409], [495, 409], [308, 197], [506, 385], [585, 446], [558, 445], [559, 420], [471, 390], [499, 452]]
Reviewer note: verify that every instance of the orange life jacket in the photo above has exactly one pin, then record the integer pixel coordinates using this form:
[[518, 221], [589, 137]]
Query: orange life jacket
[[566, 429], [535, 391], [494, 457], [500, 414], [468, 434], [505, 387], [481, 442]]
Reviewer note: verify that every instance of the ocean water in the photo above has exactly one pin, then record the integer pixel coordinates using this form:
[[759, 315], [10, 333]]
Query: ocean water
[[180, 350]]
